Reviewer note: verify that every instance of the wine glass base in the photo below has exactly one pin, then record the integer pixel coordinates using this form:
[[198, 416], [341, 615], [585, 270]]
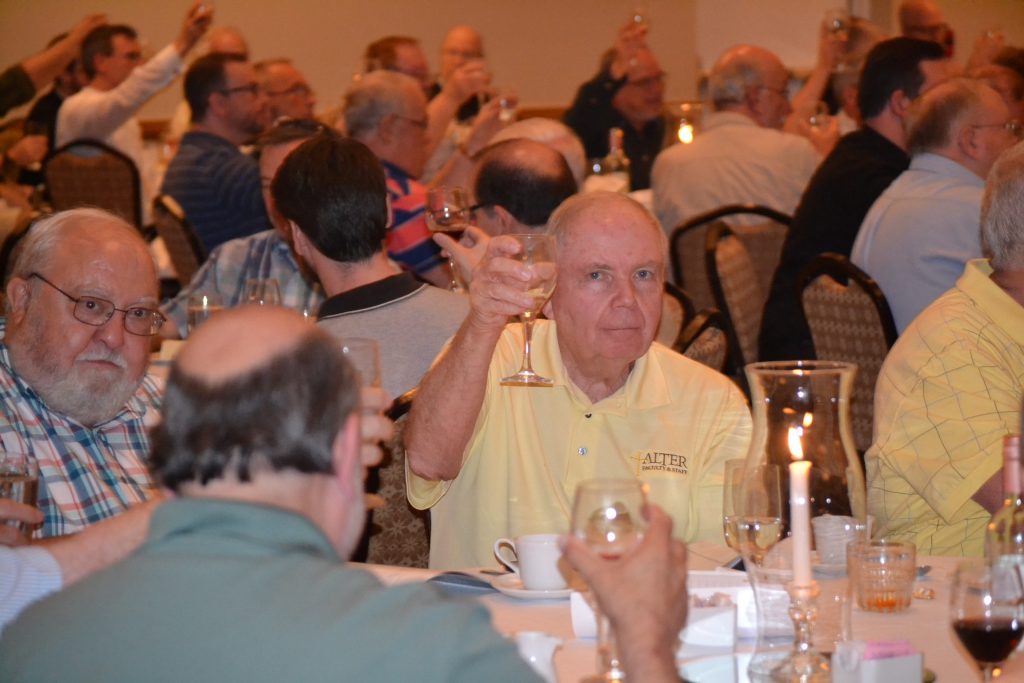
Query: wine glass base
[[525, 378], [602, 678], [806, 667]]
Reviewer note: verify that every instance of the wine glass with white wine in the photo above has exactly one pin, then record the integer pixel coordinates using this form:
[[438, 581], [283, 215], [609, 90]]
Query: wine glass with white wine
[[538, 254], [607, 515], [752, 508]]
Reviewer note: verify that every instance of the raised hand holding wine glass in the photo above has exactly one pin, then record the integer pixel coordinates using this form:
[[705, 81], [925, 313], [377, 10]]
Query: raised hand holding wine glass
[[447, 211], [607, 515], [538, 254]]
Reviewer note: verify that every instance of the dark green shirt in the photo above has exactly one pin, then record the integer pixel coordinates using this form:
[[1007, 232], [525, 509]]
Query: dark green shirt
[[227, 591]]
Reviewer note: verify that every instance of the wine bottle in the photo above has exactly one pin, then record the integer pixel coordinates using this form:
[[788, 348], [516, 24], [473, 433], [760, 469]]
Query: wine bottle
[[616, 164], [1004, 537]]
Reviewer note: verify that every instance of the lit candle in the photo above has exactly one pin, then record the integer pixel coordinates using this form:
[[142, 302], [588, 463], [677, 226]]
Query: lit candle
[[799, 510]]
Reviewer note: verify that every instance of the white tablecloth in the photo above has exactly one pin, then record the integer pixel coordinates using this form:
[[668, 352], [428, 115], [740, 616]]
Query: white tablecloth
[[925, 625]]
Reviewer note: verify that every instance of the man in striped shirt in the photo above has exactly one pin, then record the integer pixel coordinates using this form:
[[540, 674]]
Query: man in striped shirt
[[74, 394]]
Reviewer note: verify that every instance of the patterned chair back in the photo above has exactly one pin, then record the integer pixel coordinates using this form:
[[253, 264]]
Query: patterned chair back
[[91, 173], [183, 246], [686, 247], [738, 291], [704, 340], [676, 312], [849, 320]]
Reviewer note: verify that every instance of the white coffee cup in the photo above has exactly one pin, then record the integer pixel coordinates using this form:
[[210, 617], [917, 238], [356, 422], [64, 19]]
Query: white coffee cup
[[831, 535], [536, 560]]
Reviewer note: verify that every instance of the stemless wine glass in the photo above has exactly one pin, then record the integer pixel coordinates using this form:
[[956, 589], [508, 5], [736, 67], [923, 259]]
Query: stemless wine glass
[[447, 211], [752, 507], [538, 253], [987, 610], [263, 292], [607, 515]]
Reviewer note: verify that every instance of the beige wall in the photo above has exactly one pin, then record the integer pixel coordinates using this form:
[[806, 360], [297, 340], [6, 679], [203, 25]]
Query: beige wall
[[545, 48]]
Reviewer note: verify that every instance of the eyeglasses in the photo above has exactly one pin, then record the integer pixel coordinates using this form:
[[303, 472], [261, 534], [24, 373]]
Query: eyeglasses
[[1013, 127], [477, 207], [649, 82], [419, 123], [299, 89], [140, 321], [251, 88]]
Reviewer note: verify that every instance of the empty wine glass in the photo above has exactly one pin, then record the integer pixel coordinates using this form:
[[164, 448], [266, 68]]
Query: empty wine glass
[[986, 610], [607, 515], [752, 508], [263, 292], [447, 211], [538, 253]]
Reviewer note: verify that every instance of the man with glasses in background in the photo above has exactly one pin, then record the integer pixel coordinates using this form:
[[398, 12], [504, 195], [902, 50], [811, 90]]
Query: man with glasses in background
[[214, 182], [287, 91], [119, 84], [74, 394], [628, 93]]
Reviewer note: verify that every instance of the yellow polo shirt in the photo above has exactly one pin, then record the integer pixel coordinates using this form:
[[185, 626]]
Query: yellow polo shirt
[[949, 390], [673, 424]]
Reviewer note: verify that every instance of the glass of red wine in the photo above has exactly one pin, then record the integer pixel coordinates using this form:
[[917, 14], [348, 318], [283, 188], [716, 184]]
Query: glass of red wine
[[447, 211], [987, 610]]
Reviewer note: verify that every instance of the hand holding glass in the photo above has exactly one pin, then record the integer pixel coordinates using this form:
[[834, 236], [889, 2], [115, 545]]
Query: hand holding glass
[[538, 254], [447, 211], [607, 515]]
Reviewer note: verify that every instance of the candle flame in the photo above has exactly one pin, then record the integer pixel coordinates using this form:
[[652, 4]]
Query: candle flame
[[808, 419], [795, 447], [685, 133]]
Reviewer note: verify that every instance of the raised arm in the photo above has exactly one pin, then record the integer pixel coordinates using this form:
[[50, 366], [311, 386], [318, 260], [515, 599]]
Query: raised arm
[[47, 65], [451, 394], [467, 80]]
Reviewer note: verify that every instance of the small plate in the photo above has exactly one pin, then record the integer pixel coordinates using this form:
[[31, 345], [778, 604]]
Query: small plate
[[512, 586]]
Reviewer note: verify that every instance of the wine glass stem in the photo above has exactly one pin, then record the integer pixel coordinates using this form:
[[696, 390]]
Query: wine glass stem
[[607, 653], [453, 285], [986, 672], [527, 343]]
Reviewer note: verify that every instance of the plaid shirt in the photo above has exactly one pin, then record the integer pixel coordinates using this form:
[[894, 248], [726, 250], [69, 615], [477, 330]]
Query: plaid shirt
[[85, 473], [263, 255]]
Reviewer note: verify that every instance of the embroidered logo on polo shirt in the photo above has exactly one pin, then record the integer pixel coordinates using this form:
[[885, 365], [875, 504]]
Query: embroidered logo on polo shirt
[[656, 461]]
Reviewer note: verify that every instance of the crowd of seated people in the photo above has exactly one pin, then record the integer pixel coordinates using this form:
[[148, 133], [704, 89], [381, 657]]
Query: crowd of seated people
[[250, 457]]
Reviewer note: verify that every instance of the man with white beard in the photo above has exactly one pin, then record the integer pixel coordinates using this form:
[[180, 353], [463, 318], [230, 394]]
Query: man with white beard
[[74, 395]]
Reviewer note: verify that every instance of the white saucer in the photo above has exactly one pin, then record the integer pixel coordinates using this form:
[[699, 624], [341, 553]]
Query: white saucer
[[512, 586]]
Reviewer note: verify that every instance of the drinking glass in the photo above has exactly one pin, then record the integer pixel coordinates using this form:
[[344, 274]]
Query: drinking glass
[[447, 211], [364, 355], [201, 307], [19, 481], [752, 508], [263, 292], [986, 610], [607, 514], [538, 253]]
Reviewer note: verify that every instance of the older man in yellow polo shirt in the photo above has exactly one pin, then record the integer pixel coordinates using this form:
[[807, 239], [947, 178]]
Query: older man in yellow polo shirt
[[951, 388], [491, 460]]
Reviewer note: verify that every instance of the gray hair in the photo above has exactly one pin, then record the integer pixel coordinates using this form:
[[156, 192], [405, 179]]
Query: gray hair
[[554, 134], [374, 97], [729, 82], [579, 205], [1002, 212], [935, 117], [36, 249]]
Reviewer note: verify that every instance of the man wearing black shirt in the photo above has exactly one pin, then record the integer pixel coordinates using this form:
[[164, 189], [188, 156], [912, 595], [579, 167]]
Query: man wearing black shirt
[[848, 182], [627, 93]]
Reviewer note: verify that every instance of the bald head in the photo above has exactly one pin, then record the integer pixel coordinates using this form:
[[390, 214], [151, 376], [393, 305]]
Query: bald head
[[1005, 81], [253, 389], [752, 81], [225, 40], [521, 179], [460, 44], [921, 19], [241, 340], [555, 135]]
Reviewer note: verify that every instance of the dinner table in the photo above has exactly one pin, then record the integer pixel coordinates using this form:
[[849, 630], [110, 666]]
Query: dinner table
[[925, 624]]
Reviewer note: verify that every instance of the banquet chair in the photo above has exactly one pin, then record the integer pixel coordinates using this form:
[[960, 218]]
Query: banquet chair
[[686, 246], [850, 321], [183, 245], [739, 294], [400, 534], [91, 173], [676, 311], [704, 340]]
